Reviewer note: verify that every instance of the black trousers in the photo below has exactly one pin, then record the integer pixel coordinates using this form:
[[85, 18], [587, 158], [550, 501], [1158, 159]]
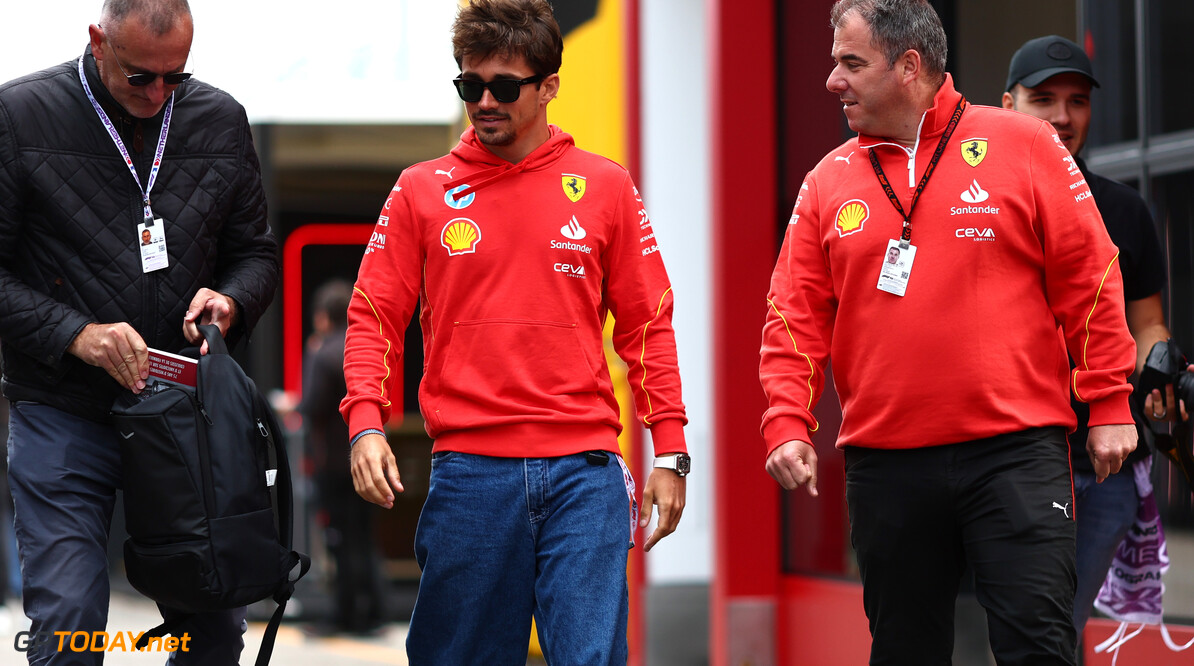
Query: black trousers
[[1003, 505]]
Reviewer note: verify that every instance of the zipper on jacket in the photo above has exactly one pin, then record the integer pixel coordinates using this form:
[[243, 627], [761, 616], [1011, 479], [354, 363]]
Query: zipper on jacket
[[912, 152], [149, 307]]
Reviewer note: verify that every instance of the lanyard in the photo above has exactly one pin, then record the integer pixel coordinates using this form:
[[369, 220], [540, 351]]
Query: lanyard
[[157, 157], [906, 233]]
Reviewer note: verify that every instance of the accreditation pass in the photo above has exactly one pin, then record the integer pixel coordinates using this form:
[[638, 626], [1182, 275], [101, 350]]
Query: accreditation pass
[[897, 267], [151, 238]]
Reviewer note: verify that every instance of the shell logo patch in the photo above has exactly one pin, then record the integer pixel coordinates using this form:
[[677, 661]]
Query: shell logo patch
[[851, 216], [974, 150], [460, 236], [574, 186]]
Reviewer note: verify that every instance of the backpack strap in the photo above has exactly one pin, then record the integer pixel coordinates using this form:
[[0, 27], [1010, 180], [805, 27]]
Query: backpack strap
[[168, 627], [215, 341], [303, 564]]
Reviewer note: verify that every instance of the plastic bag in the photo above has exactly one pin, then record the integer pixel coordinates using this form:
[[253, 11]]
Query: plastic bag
[[1133, 591]]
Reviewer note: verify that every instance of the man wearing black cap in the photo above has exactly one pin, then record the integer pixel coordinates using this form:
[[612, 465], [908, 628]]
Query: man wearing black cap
[[1051, 78]]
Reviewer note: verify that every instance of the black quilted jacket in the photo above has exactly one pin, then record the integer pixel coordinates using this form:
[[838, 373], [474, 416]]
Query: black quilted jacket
[[68, 228]]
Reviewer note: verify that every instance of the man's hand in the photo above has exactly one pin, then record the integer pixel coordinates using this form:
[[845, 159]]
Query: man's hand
[[1156, 409], [793, 464], [208, 307], [1109, 446], [375, 471], [666, 489], [118, 349]]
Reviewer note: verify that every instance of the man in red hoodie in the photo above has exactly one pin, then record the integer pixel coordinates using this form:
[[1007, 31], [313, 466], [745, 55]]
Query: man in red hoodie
[[517, 246], [951, 368]]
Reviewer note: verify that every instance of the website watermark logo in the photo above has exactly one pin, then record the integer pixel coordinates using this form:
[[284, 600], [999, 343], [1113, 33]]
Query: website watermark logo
[[97, 641]]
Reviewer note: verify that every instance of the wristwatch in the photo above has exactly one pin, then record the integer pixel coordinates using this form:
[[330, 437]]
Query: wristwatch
[[678, 462]]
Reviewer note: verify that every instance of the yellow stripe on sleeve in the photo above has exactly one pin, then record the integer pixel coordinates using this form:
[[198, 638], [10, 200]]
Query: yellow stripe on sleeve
[[812, 367], [643, 355], [1086, 339], [381, 391]]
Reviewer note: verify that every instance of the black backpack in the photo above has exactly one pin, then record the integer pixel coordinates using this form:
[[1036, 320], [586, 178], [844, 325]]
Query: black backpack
[[207, 495]]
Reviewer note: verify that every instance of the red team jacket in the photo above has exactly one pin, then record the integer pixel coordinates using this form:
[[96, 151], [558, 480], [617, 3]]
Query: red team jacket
[[1009, 247], [516, 266]]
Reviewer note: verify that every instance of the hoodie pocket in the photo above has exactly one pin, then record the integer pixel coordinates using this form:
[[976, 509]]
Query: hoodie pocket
[[496, 368]]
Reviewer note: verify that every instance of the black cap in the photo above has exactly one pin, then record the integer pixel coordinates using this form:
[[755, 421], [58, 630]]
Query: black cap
[[1043, 57]]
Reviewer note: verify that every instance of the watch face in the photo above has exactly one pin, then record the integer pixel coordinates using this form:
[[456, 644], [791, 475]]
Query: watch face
[[683, 463]]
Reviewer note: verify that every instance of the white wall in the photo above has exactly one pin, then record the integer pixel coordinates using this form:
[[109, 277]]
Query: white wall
[[675, 185], [301, 61]]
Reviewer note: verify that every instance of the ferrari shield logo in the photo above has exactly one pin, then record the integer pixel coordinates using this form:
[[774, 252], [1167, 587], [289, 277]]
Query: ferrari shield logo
[[974, 150], [574, 186]]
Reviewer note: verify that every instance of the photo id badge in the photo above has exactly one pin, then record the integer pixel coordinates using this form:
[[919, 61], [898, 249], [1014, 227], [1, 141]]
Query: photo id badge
[[897, 266], [152, 239]]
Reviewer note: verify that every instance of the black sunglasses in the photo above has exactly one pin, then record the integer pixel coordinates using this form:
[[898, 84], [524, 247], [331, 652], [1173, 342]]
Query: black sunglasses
[[145, 78], [503, 90]]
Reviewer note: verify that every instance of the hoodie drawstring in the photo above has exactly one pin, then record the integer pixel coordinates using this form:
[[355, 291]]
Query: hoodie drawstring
[[486, 178]]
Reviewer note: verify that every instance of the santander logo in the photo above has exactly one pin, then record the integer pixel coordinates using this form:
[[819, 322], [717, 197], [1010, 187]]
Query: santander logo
[[573, 230], [975, 194]]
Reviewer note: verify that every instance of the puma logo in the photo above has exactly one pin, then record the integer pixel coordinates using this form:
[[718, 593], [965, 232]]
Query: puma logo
[[447, 173], [845, 159], [1064, 509]]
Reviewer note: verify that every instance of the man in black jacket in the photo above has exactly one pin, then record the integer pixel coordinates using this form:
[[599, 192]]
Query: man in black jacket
[[92, 153], [1051, 78]]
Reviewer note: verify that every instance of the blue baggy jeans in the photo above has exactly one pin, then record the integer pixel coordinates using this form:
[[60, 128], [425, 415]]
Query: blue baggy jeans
[[502, 539], [1105, 512]]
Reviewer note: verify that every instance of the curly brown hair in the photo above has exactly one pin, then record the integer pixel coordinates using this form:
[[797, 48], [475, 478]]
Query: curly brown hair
[[509, 28]]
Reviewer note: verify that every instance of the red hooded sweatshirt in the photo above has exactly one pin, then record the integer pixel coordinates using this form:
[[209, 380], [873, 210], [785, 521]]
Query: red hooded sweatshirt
[[1013, 267], [516, 267]]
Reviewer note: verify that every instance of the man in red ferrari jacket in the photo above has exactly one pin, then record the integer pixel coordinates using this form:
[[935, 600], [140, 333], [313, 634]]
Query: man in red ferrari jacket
[[950, 366], [517, 246]]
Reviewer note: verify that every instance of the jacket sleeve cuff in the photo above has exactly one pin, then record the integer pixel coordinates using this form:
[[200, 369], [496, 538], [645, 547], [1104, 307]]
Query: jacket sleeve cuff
[[784, 429], [364, 416], [63, 336], [1111, 411], [667, 436]]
